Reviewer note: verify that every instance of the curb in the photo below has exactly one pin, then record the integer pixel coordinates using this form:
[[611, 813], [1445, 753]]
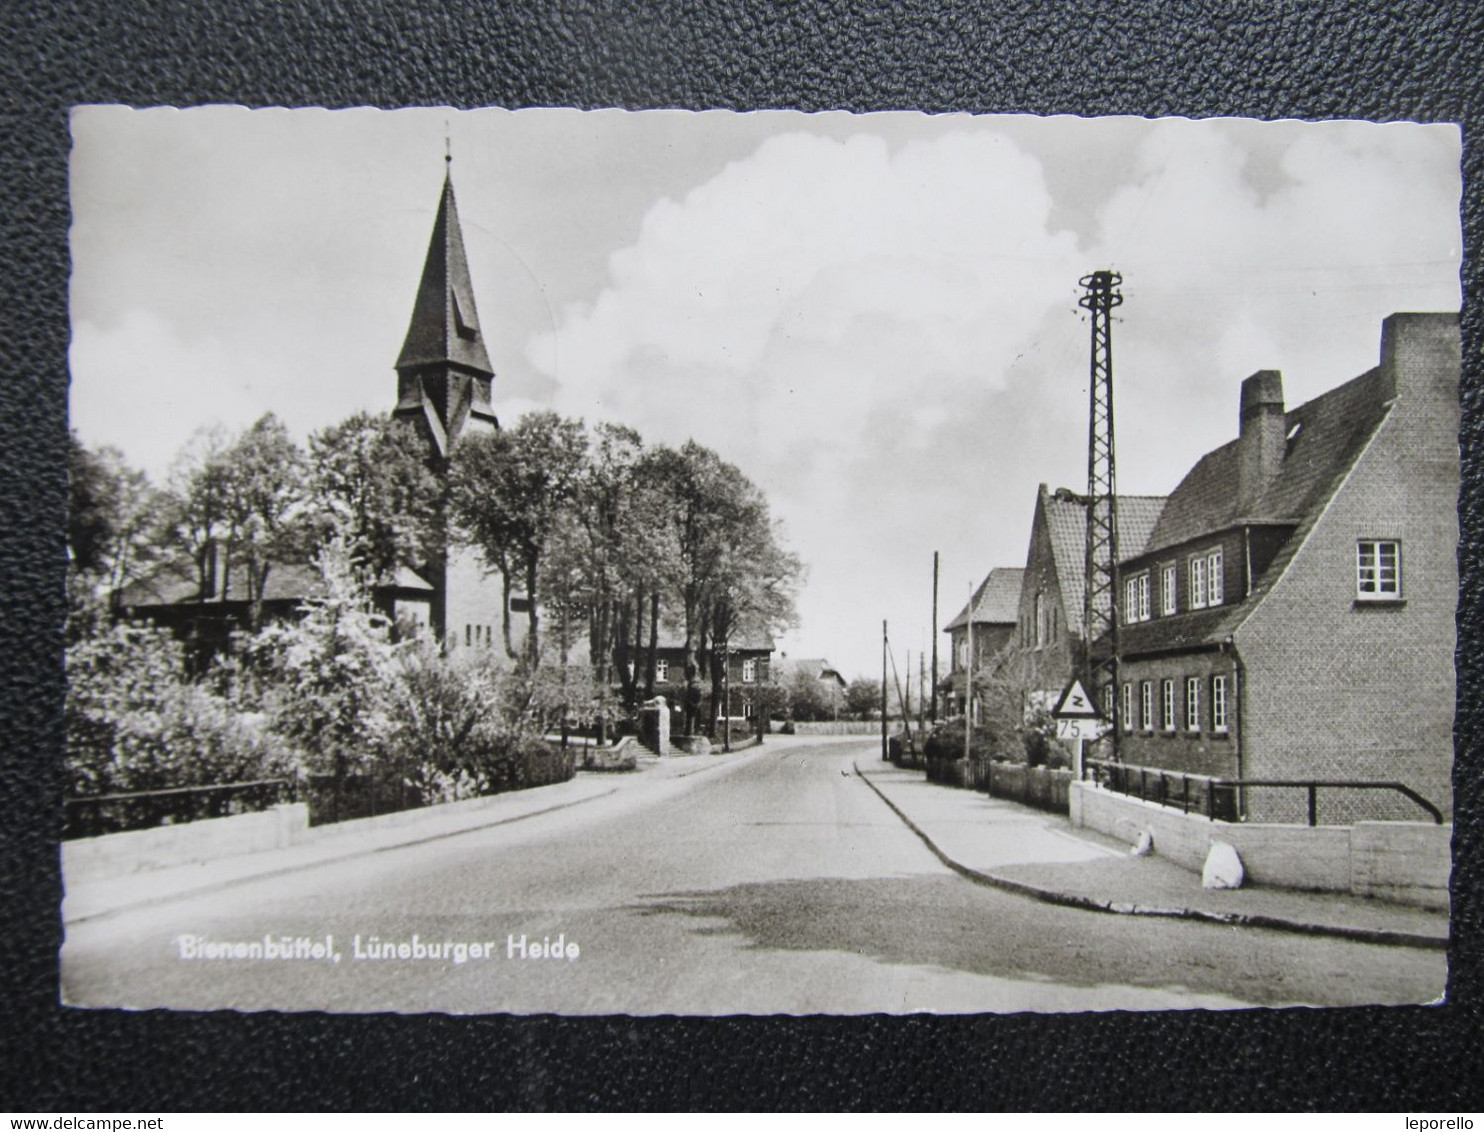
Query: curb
[[1088, 904]]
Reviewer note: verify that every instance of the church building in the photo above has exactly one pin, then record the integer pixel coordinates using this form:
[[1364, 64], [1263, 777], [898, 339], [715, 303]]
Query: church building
[[444, 379]]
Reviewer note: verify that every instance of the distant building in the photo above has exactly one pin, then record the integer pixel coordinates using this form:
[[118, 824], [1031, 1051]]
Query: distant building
[[989, 622], [749, 664], [1292, 613]]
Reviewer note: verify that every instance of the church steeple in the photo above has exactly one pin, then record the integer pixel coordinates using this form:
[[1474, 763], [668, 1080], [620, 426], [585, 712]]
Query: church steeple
[[443, 372]]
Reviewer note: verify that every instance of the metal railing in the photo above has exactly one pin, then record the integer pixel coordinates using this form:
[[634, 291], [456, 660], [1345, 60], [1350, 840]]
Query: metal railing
[[93, 815], [1217, 798]]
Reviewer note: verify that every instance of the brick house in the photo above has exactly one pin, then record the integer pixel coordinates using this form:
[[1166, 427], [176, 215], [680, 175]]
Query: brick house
[[989, 619], [1292, 614], [749, 663], [1048, 646]]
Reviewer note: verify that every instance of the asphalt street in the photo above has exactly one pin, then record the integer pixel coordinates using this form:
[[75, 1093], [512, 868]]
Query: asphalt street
[[771, 881]]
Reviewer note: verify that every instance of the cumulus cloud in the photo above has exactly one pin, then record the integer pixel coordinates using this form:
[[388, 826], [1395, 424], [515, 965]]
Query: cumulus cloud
[[886, 337]]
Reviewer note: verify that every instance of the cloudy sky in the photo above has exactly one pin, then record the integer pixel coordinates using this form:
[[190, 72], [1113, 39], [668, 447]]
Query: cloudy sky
[[874, 316]]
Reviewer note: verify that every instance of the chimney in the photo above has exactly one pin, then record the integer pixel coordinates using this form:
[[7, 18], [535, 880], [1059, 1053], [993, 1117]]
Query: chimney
[[1420, 353], [1262, 438]]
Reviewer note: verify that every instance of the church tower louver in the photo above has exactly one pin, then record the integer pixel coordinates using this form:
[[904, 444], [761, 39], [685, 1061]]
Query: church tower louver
[[443, 372], [443, 388]]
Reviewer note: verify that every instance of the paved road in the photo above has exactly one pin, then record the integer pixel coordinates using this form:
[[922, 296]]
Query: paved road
[[772, 882]]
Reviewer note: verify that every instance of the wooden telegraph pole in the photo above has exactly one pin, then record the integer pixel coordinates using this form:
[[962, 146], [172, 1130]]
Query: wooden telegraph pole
[[883, 690], [933, 714]]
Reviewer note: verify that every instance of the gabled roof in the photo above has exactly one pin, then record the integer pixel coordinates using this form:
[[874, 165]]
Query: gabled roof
[[995, 602], [178, 583], [749, 642], [1326, 435], [445, 325], [1066, 524], [1325, 438], [817, 667]]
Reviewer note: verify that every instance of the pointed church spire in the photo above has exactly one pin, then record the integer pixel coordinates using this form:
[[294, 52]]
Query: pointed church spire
[[445, 325], [443, 372]]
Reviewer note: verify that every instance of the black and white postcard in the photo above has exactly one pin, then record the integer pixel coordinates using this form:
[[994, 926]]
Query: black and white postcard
[[675, 563]]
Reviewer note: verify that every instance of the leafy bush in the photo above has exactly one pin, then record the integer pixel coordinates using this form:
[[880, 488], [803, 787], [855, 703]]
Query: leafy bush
[[946, 741], [134, 723]]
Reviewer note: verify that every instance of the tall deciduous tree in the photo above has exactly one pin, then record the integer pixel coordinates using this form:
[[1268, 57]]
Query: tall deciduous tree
[[372, 487], [265, 485], [114, 520], [199, 486], [507, 491]]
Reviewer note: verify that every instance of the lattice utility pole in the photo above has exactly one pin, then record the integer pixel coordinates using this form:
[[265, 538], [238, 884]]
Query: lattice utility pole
[[1100, 594]]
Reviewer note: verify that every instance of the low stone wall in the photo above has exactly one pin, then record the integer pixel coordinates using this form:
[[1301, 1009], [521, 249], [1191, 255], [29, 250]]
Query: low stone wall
[[623, 755], [116, 854], [1408, 862]]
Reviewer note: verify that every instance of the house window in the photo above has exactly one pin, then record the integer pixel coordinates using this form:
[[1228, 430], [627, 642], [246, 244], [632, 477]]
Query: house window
[[1108, 700], [963, 652], [1198, 582], [468, 634], [1378, 570], [1214, 578], [1128, 707], [1192, 703], [749, 670], [661, 670], [1136, 593], [1218, 703], [746, 709], [1146, 705], [1167, 705], [1168, 602], [1040, 620]]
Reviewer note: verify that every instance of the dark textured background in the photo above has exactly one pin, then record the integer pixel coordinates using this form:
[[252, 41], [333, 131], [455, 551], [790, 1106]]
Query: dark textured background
[[1263, 58]]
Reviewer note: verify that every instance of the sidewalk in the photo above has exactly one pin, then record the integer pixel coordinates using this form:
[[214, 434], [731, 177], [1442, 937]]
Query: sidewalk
[[1041, 855], [337, 842]]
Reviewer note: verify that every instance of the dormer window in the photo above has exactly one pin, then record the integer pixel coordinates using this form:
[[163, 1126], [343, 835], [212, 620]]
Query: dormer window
[[1136, 599], [1168, 600], [1206, 579]]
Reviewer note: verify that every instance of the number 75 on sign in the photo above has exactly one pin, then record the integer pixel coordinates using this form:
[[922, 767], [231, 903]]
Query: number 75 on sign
[[1080, 728]]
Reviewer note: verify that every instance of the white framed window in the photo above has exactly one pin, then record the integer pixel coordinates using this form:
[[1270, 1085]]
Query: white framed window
[[661, 671], [1167, 705], [1108, 700], [749, 670], [1192, 703], [1146, 705], [1168, 600], [1040, 619], [963, 652], [1128, 707], [1218, 703], [1378, 570], [1198, 582], [1136, 597], [1214, 578]]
